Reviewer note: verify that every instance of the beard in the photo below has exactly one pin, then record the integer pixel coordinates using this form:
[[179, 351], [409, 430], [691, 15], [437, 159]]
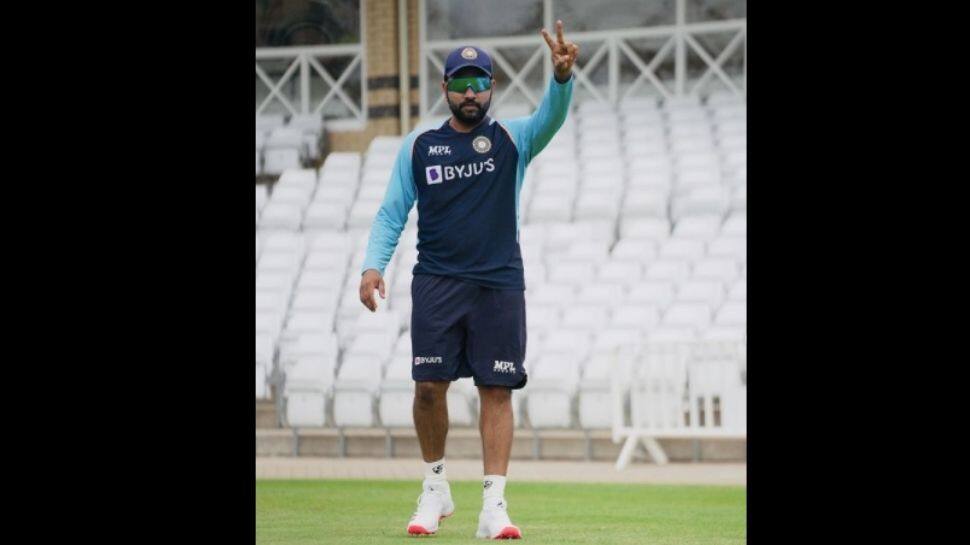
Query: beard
[[474, 117]]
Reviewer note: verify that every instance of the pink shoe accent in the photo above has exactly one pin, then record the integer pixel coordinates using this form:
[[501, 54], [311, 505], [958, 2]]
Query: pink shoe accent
[[509, 532], [418, 530]]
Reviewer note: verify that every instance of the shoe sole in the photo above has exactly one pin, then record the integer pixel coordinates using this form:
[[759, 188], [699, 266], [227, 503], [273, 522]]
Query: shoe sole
[[509, 532], [418, 530]]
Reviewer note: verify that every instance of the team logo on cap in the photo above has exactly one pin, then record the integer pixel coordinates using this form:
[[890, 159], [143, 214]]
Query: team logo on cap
[[482, 144], [469, 53]]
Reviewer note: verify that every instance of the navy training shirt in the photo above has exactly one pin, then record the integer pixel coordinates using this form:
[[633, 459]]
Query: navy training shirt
[[467, 190]]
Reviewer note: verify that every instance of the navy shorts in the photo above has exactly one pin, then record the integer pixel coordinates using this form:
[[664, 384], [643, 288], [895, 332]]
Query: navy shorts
[[460, 329]]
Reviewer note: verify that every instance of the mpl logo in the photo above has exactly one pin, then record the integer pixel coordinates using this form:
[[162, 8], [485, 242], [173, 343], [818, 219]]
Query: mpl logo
[[433, 175], [439, 150], [418, 360], [504, 367]]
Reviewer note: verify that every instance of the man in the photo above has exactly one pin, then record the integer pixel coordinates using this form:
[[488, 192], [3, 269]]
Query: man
[[468, 305]]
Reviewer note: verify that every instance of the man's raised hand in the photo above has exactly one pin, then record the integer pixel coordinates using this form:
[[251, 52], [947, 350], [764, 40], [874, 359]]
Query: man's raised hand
[[563, 53]]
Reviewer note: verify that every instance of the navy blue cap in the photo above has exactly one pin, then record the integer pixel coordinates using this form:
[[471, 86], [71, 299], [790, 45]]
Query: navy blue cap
[[468, 56]]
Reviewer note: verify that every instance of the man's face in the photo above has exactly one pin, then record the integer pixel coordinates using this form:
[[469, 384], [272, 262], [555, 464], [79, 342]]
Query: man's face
[[468, 107]]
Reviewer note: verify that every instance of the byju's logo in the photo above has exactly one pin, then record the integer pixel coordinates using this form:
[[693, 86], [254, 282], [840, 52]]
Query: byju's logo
[[504, 367], [433, 175], [418, 360]]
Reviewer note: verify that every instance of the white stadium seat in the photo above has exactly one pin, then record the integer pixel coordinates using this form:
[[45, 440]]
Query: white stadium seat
[[281, 216], [553, 381], [680, 248], [695, 315], [716, 268], [673, 270], [736, 225], [660, 293], [732, 313], [355, 391], [701, 291], [275, 161], [704, 227]]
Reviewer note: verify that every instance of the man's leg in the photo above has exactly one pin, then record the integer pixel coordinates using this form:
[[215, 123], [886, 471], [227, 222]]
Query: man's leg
[[431, 417], [431, 423], [495, 424]]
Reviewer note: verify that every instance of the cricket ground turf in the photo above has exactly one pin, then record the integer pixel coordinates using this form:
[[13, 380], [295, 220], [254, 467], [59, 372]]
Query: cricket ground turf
[[304, 512]]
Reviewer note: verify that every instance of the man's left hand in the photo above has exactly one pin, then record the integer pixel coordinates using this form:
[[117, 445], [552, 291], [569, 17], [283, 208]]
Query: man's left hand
[[563, 53]]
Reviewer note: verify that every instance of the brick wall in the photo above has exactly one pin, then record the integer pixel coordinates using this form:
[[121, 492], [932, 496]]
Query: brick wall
[[381, 72]]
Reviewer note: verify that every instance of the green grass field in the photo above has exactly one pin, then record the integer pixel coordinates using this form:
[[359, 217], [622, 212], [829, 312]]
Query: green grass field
[[366, 512]]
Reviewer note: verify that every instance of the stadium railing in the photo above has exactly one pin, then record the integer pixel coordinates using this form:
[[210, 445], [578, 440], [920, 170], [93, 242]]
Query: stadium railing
[[693, 390]]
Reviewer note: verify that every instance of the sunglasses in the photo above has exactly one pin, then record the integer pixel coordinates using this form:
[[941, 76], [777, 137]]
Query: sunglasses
[[477, 83]]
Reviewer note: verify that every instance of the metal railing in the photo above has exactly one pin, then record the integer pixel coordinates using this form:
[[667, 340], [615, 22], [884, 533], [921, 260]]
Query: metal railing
[[597, 47], [678, 390], [304, 63]]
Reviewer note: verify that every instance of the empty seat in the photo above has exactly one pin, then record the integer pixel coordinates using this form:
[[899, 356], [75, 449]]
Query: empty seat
[[574, 343], [585, 317], [552, 385], [574, 273], [739, 291], [645, 228], [323, 215], [638, 250], [737, 225], [397, 388], [275, 161], [551, 294], [699, 227], [305, 409], [295, 195], [620, 272], [355, 389], [684, 249], [646, 201], [600, 294], [281, 216], [641, 317], [724, 333], [732, 313], [658, 293], [710, 292], [716, 268], [669, 270], [696, 315], [735, 247]]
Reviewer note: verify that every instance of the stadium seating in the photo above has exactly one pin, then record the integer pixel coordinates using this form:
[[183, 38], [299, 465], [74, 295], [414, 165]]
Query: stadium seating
[[283, 143], [633, 233]]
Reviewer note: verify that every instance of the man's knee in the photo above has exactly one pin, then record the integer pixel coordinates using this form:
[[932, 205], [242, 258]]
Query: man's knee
[[495, 394], [430, 392]]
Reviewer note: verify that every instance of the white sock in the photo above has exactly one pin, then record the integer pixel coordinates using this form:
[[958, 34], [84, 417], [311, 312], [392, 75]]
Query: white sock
[[493, 486], [435, 471]]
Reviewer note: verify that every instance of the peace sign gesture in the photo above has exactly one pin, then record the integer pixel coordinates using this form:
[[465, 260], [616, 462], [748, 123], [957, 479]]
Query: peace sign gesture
[[563, 53]]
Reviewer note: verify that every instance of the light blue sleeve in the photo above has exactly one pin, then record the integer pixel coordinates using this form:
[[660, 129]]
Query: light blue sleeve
[[393, 214], [531, 134]]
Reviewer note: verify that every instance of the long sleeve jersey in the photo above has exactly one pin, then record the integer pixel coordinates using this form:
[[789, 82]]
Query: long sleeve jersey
[[467, 189]]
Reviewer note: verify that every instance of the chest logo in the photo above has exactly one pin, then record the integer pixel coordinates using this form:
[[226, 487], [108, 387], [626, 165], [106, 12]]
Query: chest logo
[[433, 175], [482, 144]]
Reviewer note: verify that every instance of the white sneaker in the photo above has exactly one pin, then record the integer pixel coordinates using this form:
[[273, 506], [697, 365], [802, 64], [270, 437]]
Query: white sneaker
[[434, 504], [494, 523]]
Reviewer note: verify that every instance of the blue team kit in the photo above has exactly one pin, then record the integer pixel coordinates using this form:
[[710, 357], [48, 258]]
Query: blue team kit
[[468, 305]]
